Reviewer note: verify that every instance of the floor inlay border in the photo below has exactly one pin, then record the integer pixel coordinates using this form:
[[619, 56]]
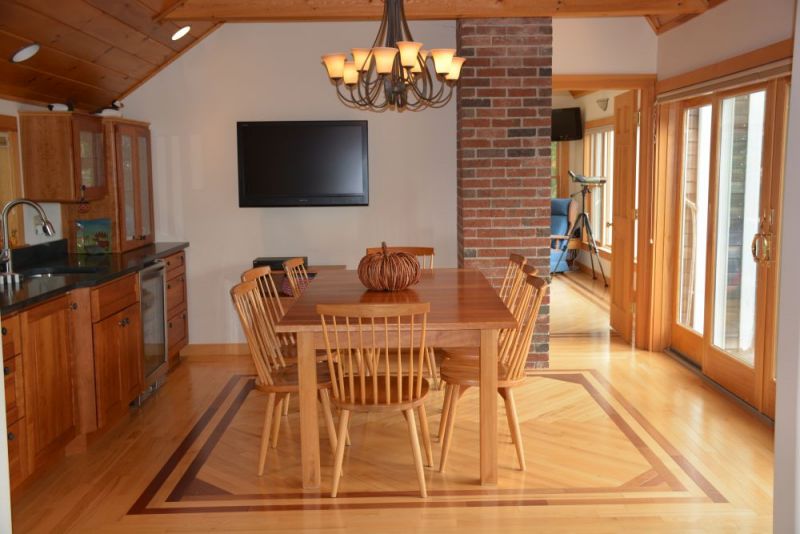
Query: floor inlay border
[[660, 484]]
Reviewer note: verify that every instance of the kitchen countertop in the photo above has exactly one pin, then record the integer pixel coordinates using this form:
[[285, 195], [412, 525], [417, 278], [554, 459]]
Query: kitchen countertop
[[108, 267]]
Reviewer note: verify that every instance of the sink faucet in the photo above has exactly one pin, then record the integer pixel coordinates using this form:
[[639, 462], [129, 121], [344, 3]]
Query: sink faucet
[[5, 253]]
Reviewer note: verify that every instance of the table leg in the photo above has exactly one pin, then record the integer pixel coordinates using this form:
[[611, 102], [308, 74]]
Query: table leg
[[309, 426], [488, 407]]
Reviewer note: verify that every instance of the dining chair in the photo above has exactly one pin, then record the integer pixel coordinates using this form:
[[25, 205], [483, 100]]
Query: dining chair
[[376, 356], [297, 275], [461, 374], [513, 281], [276, 377], [425, 256]]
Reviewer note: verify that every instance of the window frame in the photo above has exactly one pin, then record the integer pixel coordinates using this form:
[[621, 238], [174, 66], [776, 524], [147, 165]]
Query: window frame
[[603, 127]]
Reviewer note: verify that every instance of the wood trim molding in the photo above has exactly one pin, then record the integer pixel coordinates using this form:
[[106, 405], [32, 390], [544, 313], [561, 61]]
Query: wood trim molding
[[215, 349], [596, 82], [756, 58], [333, 10], [599, 123], [8, 123], [603, 252]]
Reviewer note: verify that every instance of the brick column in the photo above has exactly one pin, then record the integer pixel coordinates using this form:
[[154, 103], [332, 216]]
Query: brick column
[[504, 103]]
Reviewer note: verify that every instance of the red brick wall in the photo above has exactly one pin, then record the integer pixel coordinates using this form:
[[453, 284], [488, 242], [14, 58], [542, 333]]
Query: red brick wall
[[504, 103]]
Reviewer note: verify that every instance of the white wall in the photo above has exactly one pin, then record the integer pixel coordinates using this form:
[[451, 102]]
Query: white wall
[[53, 211], [787, 420], [730, 29], [273, 72], [603, 46]]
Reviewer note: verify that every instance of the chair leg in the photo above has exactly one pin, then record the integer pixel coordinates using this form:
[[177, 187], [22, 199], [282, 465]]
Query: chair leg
[[276, 421], [344, 418], [513, 424], [448, 392], [448, 433], [502, 392], [324, 397], [286, 404], [426, 435], [432, 367], [265, 433], [412, 431]]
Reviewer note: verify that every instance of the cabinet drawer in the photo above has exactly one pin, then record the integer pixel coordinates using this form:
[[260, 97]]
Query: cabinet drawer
[[174, 263], [17, 468], [177, 328], [176, 292], [15, 395], [114, 296], [11, 339]]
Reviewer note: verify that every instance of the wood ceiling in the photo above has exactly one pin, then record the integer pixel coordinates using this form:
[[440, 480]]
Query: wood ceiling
[[96, 51]]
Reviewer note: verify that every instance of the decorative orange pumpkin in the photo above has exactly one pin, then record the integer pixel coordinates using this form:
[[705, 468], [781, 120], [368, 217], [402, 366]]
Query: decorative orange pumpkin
[[388, 271]]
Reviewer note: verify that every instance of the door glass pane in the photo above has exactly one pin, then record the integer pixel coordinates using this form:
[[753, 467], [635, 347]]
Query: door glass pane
[[554, 170], [87, 147], [694, 217], [741, 143], [128, 187], [144, 184]]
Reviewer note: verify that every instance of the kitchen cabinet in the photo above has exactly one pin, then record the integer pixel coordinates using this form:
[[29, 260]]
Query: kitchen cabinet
[[177, 315], [47, 369], [117, 363], [134, 185], [16, 432], [63, 156]]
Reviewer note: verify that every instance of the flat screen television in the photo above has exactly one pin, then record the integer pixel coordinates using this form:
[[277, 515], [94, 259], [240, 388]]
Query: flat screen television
[[566, 124], [303, 163]]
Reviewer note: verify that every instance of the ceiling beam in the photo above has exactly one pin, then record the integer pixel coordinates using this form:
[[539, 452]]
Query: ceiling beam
[[333, 10]]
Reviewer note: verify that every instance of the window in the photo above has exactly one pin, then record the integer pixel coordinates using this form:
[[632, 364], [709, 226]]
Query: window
[[599, 162]]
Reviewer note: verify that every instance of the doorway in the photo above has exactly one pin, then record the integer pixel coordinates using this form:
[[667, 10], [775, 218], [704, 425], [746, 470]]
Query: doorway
[[732, 144], [610, 155]]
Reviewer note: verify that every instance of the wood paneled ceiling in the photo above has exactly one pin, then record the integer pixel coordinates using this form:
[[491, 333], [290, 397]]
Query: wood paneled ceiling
[[96, 51], [92, 51]]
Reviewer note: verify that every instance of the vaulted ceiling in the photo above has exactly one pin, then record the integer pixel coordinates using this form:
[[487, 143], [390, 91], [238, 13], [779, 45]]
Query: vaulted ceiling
[[95, 51]]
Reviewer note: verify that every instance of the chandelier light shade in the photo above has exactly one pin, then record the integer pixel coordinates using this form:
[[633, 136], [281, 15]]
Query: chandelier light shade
[[395, 72]]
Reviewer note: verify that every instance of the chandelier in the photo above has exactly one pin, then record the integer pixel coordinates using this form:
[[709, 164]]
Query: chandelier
[[395, 71]]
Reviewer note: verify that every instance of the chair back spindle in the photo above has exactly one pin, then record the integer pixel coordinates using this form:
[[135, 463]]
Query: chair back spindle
[[376, 352], [258, 330]]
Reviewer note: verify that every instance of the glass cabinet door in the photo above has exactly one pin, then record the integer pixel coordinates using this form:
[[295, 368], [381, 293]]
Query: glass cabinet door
[[90, 160], [134, 187], [145, 190]]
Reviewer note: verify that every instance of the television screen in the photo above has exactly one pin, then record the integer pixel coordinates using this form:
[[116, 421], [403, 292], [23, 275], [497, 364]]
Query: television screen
[[566, 124], [303, 163]]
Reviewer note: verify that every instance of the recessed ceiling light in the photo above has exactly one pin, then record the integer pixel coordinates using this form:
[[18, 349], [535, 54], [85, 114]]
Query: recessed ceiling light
[[180, 33], [25, 53]]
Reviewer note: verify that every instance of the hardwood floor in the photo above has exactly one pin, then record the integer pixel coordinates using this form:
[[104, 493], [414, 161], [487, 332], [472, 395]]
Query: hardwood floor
[[616, 440], [578, 305]]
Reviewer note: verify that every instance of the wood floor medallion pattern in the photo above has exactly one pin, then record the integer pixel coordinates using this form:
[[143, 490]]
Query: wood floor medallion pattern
[[585, 444]]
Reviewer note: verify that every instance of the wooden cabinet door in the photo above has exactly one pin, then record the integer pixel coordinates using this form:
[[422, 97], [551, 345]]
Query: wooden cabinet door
[[132, 381], [88, 157], [117, 362], [135, 188], [46, 350], [108, 337]]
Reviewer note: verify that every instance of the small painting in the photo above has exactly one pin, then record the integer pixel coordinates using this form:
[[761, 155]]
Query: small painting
[[93, 236]]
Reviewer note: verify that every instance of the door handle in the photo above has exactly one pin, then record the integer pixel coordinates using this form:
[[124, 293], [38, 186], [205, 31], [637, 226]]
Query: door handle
[[754, 247]]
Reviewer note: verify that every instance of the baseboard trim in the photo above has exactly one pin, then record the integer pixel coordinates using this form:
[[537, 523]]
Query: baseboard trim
[[201, 350]]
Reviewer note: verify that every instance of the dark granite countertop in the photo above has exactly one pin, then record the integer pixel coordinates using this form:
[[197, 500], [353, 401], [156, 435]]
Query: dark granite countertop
[[104, 268]]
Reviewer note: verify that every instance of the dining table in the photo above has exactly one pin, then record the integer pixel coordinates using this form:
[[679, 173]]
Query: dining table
[[465, 311]]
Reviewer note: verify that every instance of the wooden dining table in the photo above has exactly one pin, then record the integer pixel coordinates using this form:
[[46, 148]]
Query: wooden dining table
[[465, 312]]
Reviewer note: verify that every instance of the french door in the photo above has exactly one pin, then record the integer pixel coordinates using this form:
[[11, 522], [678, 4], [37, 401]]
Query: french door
[[731, 172]]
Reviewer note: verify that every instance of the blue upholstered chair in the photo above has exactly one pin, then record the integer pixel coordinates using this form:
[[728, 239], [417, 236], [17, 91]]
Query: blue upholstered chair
[[563, 212]]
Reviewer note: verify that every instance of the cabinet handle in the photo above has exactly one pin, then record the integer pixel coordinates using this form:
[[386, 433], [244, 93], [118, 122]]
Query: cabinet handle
[[122, 323], [169, 324], [5, 331], [169, 286], [73, 306], [6, 370], [11, 436]]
